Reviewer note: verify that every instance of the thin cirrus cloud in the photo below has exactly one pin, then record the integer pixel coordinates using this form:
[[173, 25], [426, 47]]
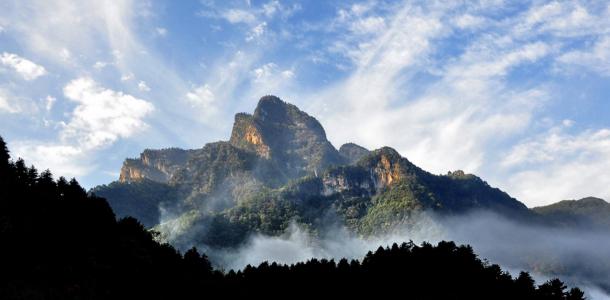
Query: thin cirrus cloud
[[558, 163], [6, 103], [596, 58], [451, 85]]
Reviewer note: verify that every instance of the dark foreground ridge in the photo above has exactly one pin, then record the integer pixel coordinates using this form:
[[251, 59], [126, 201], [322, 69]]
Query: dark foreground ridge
[[57, 242]]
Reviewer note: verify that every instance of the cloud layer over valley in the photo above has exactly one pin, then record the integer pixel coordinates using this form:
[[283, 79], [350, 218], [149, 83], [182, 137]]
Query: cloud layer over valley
[[576, 256]]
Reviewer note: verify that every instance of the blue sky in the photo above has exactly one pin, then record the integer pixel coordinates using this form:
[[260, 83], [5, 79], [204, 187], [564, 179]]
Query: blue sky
[[517, 92]]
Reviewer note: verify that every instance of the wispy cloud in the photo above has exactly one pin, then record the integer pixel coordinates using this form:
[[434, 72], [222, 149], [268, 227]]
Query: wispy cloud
[[24, 67], [239, 16], [596, 59], [143, 87], [560, 165], [6, 105]]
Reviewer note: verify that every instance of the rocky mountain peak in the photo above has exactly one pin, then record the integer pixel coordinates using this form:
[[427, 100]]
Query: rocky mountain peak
[[459, 174], [389, 152], [353, 152], [386, 166], [271, 111], [247, 135], [156, 165], [281, 132], [592, 201]]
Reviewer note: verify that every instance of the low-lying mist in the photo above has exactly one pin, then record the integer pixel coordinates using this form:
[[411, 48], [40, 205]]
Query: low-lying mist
[[578, 257]]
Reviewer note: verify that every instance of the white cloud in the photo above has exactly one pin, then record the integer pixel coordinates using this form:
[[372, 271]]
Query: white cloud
[[203, 98], [446, 124], [27, 69], [374, 24], [100, 118], [160, 31], [76, 27], [49, 101], [102, 115], [239, 16], [271, 8], [468, 21], [485, 62], [397, 85], [100, 65], [13, 103], [65, 54], [559, 165], [143, 87], [256, 32], [92, 31], [596, 59], [360, 9], [218, 98], [568, 123], [287, 74], [62, 160], [270, 79], [563, 19], [6, 105], [127, 77]]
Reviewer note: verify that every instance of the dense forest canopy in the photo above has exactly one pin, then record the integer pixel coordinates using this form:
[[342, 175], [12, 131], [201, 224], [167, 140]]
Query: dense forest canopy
[[58, 242]]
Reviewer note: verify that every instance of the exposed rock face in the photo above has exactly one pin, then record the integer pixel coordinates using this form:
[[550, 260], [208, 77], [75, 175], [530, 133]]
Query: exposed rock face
[[376, 171], [279, 131], [277, 143], [352, 152], [387, 167], [281, 136], [348, 179], [155, 165], [246, 135]]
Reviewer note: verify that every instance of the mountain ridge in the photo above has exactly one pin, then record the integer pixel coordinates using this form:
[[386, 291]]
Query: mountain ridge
[[586, 212], [278, 167]]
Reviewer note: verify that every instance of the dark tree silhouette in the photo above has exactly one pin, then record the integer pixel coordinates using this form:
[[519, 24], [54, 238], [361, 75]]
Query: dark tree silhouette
[[575, 294]]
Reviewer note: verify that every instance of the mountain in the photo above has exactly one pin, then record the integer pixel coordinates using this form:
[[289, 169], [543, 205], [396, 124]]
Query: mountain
[[587, 212], [290, 138], [352, 152], [156, 165], [58, 242], [278, 167]]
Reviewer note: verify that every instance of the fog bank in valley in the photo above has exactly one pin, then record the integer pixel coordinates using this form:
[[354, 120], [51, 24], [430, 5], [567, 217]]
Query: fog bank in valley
[[578, 257]]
